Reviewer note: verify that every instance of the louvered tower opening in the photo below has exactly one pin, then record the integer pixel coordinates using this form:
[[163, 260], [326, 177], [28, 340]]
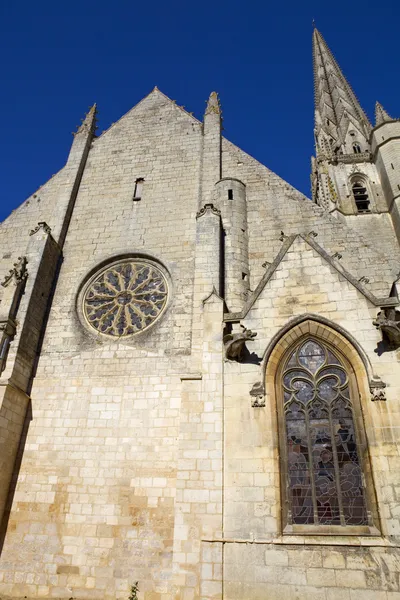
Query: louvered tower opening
[[361, 197]]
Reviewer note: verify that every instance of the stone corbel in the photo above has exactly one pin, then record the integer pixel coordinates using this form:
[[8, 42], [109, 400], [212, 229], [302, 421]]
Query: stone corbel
[[257, 394], [388, 321], [235, 343], [377, 389]]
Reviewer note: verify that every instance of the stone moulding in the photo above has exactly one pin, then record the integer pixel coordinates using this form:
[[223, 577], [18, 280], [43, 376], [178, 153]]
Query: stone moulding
[[41, 225], [208, 208], [352, 158], [18, 273], [382, 302]]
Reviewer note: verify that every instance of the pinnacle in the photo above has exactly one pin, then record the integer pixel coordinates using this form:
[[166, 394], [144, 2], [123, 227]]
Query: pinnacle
[[89, 123], [213, 104], [381, 116]]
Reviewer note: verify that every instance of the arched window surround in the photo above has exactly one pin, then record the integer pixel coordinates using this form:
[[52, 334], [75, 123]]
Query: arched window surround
[[358, 367], [360, 178]]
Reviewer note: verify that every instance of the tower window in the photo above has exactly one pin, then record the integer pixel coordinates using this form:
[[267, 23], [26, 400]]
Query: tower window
[[360, 196], [137, 194], [356, 148], [230, 194]]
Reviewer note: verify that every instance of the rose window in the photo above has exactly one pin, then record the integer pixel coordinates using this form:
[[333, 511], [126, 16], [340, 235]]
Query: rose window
[[125, 298]]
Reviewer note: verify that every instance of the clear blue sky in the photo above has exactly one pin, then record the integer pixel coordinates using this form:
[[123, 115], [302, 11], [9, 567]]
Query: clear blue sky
[[60, 57]]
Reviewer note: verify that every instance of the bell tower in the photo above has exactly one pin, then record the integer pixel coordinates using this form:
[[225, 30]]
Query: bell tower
[[345, 178]]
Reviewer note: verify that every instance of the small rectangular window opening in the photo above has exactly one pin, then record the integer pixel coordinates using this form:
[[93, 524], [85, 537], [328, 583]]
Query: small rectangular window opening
[[230, 194], [137, 194]]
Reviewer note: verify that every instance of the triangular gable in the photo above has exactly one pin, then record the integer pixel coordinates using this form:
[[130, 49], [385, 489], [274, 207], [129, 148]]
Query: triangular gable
[[287, 243]]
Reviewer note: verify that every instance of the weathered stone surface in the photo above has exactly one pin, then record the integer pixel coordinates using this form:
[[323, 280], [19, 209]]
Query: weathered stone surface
[[151, 457]]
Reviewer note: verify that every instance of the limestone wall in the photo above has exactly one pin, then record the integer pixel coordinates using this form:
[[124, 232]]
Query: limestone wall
[[145, 459]]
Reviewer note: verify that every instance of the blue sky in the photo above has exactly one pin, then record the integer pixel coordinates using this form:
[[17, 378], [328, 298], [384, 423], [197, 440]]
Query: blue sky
[[60, 57]]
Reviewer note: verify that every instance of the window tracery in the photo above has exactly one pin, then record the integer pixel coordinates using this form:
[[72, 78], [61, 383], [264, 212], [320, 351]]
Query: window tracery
[[125, 298], [323, 469]]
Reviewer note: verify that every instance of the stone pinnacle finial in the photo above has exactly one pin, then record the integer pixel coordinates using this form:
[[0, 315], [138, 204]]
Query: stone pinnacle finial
[[381, 116], [213, 104], [89, 123]]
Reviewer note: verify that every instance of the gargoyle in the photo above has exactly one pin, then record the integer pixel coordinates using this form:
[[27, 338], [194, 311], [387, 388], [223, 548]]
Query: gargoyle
[[388, 321], [235, 343]]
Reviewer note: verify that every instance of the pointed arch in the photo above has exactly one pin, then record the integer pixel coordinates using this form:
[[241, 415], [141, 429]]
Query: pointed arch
[[340, 358]]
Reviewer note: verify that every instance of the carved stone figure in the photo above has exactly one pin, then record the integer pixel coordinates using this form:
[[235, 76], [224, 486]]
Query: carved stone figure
[[41, 225], [235, 343], [257, 394], [377, 389], [18, 273], [388, 321]]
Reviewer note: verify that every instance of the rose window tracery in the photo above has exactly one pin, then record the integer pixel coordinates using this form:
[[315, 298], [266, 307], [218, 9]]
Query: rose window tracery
[[125, 298]]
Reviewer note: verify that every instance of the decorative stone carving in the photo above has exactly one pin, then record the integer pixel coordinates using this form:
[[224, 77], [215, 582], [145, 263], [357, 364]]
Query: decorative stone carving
[[18, 273], [364, 279], [41, 225], [125, 298], [337, 255], [208, 208], [388, 321], [283, 237], [313, 233], [377, 389], [266, 264], [257, 394], [235, 343]]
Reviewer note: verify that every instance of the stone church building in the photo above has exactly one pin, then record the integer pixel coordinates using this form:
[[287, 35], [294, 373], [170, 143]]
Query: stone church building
[[200, 388]]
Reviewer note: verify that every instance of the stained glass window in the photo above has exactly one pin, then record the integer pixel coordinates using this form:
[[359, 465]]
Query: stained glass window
[[324, 477], [125, 298]]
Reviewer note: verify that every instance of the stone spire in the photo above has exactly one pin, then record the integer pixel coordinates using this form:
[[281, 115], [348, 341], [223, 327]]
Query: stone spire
[[381, 116], [337, 109]]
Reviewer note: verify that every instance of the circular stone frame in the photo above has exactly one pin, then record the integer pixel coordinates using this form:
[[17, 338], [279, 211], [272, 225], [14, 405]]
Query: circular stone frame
[[129, 281]]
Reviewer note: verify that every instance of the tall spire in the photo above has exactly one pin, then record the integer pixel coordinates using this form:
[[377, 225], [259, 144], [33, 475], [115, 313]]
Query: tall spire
[[381, 116], [337, 109]]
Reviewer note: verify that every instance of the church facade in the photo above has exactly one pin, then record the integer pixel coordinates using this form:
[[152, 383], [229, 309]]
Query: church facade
[[200, 374]]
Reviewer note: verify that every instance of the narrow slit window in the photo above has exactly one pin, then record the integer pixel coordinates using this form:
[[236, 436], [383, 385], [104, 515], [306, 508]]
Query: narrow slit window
[[137, 195], [230, 194]]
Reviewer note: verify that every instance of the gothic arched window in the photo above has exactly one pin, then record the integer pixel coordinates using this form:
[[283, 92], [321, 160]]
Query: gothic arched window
[[321, 446], [356, 148], [360, 194]]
